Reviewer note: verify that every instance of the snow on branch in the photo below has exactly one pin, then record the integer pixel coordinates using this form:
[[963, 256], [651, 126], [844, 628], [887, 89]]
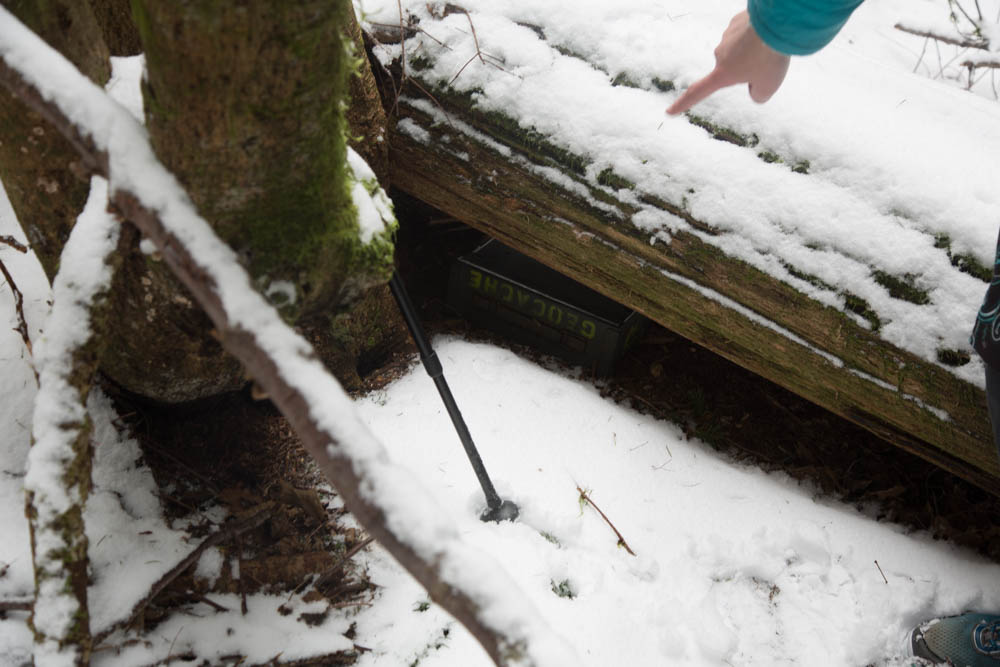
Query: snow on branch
[[58, 472], [385, 498], [956, 39]]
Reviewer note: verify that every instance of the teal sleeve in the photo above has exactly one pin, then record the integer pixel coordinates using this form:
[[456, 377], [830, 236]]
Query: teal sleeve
[[799, 27]]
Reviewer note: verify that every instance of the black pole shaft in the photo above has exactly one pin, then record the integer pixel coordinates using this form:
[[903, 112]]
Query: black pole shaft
[[433, 367]]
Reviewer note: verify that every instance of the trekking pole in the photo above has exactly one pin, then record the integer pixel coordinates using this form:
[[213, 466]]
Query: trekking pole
[[496, 509]]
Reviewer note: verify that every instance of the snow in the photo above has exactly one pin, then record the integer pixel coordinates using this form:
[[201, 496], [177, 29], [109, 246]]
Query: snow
[[375, 214], [733, 566]]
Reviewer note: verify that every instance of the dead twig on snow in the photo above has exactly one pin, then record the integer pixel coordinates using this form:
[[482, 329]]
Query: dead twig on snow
[[229, 531], [22, 323], [339, 565], [584, 498]]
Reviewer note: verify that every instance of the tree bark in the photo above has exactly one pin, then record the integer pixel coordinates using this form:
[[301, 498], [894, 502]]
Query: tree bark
[[42, 174], [243, 105], [366, 117], [115, 19]]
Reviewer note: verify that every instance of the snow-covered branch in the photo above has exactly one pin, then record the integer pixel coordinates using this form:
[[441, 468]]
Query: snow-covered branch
[[956, 39], [392, 506], [57, 481]]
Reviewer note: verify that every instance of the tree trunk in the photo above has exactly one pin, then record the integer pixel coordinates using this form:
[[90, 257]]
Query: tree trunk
[[243, 105], [40, 171]]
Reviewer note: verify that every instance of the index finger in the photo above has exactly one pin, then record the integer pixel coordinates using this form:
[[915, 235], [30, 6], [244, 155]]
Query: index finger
[[697, 91]]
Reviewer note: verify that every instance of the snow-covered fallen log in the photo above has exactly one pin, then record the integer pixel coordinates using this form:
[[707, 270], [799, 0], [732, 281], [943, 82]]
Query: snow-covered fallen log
[[819, 242], [392, 506]]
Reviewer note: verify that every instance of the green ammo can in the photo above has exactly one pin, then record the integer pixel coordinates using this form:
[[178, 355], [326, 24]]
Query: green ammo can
[[500, 289]]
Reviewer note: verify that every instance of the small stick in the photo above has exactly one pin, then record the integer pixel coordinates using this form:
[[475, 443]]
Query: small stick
[[227, 532], [974, 65], [14, 243], [881, 572], [339, 565], [621, 540], [22, 324], [15, 605], [214, 605]]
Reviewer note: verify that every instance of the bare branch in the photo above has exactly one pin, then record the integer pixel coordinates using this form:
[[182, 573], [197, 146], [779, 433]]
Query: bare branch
[[14, 243], [947, 39], [60, 457], [988, 64]]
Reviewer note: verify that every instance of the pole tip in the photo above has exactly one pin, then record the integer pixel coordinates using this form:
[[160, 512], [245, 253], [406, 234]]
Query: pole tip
[[506, 511]]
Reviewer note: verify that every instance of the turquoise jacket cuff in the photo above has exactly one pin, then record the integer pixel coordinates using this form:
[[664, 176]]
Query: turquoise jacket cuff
[[799, 27]]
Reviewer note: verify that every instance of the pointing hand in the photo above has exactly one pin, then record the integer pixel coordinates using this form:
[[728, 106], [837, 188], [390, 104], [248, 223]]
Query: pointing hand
[[741, 57]]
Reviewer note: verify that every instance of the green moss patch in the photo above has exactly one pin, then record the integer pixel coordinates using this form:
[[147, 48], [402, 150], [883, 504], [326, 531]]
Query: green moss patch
[[964, 262], [664, 86], [859, 306], [902, 287], [808, 277], [724, 133], [610, 179], [953, 358]]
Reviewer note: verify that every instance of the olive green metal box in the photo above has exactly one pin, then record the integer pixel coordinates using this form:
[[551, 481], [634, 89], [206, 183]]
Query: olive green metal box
[[502, 290]]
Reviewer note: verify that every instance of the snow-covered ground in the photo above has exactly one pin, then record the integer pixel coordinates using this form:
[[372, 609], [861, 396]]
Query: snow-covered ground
[[732, 566]]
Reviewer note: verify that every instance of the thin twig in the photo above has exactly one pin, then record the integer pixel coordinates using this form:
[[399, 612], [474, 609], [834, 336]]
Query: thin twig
[[214, 605], [14, 243], [922, 52], [15, 605], [22, 324], [956, 41], [475, 39], [479, 52], [339, 565], [621, 540], [881, 572], [226, 532], [966, 14], [986, 65]]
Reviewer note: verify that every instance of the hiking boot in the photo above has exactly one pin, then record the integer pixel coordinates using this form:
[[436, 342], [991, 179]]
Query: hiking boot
[[969, 640]]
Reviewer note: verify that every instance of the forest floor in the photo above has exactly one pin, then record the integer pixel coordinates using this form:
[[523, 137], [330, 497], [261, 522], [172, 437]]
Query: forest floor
[[249, 456]]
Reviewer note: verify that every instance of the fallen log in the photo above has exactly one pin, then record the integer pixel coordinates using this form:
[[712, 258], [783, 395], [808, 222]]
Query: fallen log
[[519, 187]]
